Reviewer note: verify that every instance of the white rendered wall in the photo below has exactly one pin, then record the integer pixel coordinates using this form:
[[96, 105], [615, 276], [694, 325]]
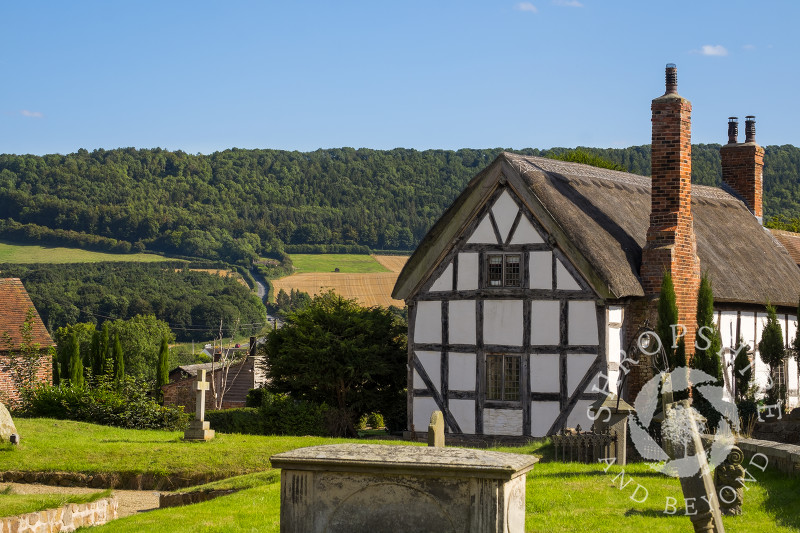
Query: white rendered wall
[[445, 281], [614, 317], [582, 328], [464, 413], [428, 323], [502, 421], [461, 372], [502, 322], [461, 321], [505, 211], [540, 268], [423, 408], [545, 322], [484, 233], [432, 363], [526, 233], [792, 377], [577, 365], [467, 272], [580, 416], [544, 372], [543, 414], [564, 280]]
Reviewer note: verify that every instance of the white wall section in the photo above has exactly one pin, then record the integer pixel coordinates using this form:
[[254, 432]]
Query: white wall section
[[464, 413], [432, 363], [543, 414], [461, 372], [502, 421], [545, 322], [526, 233], [467, 271], [445, 281], [484, 233], [505, 211], [461, 321], [544, 370], [564, 280], [582, 316], [428, 324], [502, 322], [541, 270]]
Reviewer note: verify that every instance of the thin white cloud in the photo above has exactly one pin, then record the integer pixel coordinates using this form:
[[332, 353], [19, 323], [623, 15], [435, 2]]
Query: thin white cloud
[[713, 50], [567, 3], [749, 47], [526, 6], [31, 114]]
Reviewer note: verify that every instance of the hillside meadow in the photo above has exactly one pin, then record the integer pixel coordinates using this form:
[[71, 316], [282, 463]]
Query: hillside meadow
[[32, 253], [369, 279]]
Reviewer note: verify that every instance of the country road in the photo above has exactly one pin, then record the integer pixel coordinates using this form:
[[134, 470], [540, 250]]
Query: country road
[[261, 285]]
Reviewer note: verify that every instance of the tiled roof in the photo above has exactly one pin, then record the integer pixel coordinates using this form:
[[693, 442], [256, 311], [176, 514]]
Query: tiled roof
[[14, 306], [791, 241]]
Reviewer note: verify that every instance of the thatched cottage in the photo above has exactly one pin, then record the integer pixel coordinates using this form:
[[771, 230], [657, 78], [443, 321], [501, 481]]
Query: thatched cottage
[[523, 294]]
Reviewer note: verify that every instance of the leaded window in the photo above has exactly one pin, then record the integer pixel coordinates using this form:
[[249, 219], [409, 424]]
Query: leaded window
[[503, 377], [503, 270]]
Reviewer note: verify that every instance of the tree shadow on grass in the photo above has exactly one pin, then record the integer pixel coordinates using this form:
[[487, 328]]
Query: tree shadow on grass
[[781, 496]]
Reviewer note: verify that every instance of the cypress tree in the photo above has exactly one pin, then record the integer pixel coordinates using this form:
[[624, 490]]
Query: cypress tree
[[96, 354], [706, 358], [75, 363], [162, 376], [667, 317], [772, 352], [56, 364], [742, 370], [119, 362]]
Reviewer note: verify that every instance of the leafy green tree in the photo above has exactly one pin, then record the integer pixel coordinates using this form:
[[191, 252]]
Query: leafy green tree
[[709, 342], [667, 318], [75, 362], [338, 353], [119, 362], [162, 376], [141, 338], [742, 370], [772, 353]]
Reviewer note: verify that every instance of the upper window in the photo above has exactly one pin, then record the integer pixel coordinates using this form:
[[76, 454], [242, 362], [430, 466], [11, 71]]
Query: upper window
[[503, 270], [503, 377]]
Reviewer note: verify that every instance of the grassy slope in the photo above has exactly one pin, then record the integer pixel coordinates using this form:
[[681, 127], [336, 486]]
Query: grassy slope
[[23, 254], [16, 504], [346, 263]]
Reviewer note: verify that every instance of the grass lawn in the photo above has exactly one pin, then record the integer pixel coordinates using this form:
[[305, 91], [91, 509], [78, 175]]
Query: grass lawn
[[23, 254], [559, 497], [12, 504], [346, 263]]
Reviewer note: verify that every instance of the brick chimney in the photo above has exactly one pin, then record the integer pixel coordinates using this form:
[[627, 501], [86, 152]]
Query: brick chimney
[[671, 245], [743, 165]]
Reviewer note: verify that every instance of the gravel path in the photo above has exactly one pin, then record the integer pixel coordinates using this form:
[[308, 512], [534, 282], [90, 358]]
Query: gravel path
[[130, 501]]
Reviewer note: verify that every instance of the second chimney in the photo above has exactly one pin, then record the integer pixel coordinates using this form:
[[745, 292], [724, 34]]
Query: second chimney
[[743, 165]]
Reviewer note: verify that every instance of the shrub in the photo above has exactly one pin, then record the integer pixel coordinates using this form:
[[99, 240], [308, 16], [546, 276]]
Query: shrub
[[275, 414], [255, 397], [375, 420], [126, 407], [245, 420]]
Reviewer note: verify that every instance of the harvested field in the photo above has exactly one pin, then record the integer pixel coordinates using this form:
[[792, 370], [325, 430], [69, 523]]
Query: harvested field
[[368, 288]]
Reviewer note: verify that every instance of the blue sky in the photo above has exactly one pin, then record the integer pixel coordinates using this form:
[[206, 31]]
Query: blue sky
[[205, 76]]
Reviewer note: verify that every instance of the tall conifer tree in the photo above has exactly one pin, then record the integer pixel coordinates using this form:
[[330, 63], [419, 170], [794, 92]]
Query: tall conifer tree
[[119, 362], [162, 376], [772, 353], [75, 363], [706, 355], [667, 317]]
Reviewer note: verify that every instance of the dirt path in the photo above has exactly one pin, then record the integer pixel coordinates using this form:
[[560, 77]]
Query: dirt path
[[130, 501]]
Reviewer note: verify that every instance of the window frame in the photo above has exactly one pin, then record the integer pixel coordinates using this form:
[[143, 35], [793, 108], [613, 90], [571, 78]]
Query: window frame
[[504, 370], [506, 271]]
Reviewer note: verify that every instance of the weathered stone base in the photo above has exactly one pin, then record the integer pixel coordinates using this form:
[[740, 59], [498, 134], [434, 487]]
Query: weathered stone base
[[120, 480], [198, 430], [67, 518]]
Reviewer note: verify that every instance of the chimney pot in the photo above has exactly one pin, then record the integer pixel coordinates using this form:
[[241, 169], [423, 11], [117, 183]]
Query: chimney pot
[[672, 79], [733, 130], [750, 129]]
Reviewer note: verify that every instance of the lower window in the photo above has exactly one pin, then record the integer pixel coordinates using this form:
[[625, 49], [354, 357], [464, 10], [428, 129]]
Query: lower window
[[503, 377]]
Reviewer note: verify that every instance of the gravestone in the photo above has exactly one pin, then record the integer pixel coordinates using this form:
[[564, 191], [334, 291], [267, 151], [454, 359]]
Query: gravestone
[[611, 415], [436, 430], [199, 429], [371, 488], [7, 427], [728, 481]]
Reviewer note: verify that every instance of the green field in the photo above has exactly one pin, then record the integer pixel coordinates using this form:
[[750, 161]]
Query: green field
[[24, 254], [346, 263]]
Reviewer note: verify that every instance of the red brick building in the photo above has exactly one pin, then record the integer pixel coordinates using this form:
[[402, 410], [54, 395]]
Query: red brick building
[[21, 327]]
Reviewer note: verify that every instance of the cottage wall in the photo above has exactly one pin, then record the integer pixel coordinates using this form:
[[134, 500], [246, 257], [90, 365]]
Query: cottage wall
[[8, 389], [548, 332]]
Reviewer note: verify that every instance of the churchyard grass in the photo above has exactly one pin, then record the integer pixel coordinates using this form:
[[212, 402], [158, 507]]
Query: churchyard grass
[[12, 504], [30, 253], [346, 263]]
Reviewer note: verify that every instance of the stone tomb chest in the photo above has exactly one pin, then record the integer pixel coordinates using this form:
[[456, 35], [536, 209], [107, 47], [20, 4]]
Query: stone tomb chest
[[374, 488]]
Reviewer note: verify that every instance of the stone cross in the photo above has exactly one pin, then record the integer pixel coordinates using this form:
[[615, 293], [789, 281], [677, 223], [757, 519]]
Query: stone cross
[[200, 387], [436, 430], [199, 429]]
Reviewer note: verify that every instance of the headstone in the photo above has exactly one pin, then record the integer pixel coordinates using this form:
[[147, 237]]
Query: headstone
[[611, 414], [7, 427], [436, 430], [367, 488], [728, 481], [199, 429], [698, 487]]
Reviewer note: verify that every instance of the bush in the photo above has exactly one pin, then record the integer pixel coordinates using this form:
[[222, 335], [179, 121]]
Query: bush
[[255, 397], [126, 407], [245, 420], [375, 420]]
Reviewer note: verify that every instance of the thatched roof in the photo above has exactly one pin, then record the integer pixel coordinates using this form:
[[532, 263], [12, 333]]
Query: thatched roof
[[14, 306], [599, 219]]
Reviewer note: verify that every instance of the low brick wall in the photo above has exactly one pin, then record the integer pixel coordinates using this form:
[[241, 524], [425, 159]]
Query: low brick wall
[[784, 457], [67, 518], [177, 499]]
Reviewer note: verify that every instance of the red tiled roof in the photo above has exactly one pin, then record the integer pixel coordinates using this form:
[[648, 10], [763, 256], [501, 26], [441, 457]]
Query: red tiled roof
[[791, 241], [14, 306]]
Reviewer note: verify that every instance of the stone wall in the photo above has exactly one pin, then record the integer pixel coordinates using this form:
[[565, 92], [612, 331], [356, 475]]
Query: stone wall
[[784, 457], [67, 518], [786, 430]]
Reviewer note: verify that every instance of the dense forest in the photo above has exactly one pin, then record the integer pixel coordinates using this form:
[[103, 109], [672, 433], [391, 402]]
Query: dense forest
[[191, 303], [236, 205]]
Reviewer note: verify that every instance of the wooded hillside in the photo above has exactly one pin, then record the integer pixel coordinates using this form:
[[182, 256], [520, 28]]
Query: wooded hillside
[[237, 204]]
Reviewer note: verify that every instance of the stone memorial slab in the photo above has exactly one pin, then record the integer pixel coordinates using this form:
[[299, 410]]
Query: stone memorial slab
[[436, 430], [360, 488], [7, 427], [611, 415]]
